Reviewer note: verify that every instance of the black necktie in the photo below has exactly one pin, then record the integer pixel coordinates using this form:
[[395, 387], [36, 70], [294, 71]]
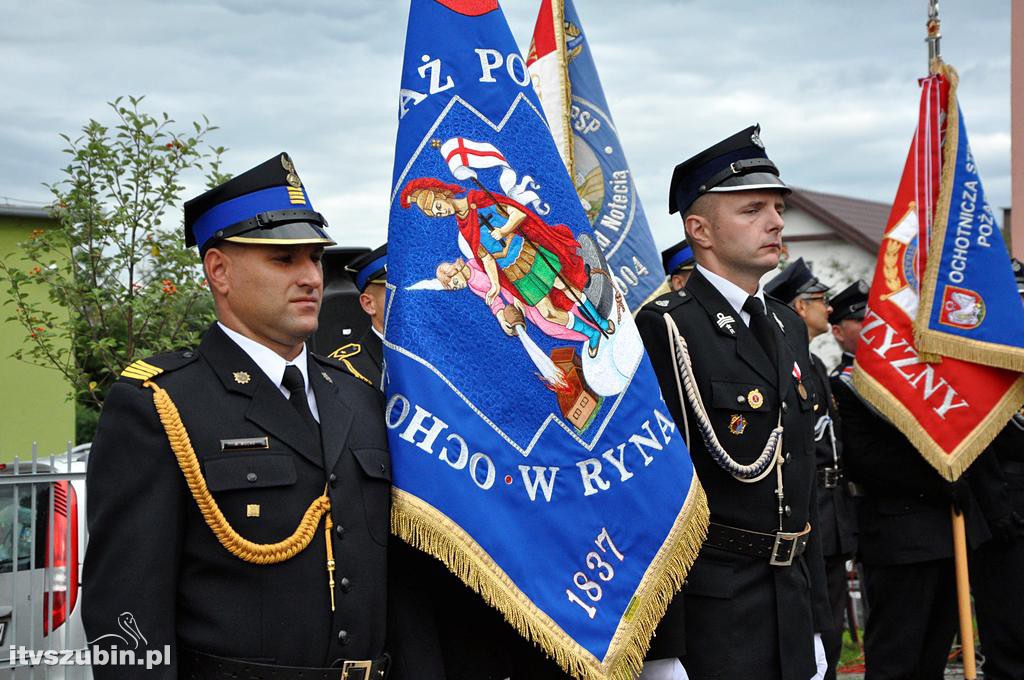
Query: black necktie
[[761, 327], [296, 386]]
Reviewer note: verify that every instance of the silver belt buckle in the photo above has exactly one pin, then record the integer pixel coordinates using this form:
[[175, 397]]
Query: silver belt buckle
[[356, 670], [831, 476], [784, 549]]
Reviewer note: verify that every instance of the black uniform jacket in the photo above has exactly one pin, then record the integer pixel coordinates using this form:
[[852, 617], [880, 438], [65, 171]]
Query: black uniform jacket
[[370, 359], [741, 611], [837, 516], [904, 513], [152, 555], [999, 480]]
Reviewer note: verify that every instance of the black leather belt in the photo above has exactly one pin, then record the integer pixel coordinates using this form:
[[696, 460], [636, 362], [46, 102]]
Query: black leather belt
[[829, 477], [193, 665], [780, 547]]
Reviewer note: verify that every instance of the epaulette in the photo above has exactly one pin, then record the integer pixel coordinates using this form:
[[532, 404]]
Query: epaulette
[[141, 370], [668, 301], [346, 351], [342, 363]]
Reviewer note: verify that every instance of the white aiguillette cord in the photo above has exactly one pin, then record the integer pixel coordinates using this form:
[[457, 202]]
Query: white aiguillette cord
[[770, 456]]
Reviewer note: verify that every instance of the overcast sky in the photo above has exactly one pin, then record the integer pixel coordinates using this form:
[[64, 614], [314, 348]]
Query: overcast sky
[[833, 85]]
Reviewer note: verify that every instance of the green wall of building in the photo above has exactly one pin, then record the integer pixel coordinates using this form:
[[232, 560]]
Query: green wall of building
[[33, 400]]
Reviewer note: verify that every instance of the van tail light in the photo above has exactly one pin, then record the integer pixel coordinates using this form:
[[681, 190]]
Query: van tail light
[[61, 559]]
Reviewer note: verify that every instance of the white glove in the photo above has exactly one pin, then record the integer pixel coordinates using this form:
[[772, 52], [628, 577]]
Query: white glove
[[819, 658], [663, 669]]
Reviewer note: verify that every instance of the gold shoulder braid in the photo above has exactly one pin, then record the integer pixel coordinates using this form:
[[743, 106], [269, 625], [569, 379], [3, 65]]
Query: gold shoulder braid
[[343, 354], [233, 542]]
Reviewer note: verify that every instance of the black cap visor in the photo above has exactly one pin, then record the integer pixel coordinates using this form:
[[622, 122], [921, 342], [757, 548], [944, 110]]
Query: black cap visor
[[750, 182], [292, 233]]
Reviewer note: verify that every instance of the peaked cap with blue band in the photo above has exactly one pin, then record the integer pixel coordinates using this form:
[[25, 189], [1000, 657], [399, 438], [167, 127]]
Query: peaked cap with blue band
[[737, 163], [794, 281], [264, 205], [371, 267], [678, 258], [850, 303]]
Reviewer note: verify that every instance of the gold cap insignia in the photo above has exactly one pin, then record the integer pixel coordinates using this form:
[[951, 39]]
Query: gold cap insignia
[[241, 377], [286, 163], [737, 424], [293, 180], [755, 398]]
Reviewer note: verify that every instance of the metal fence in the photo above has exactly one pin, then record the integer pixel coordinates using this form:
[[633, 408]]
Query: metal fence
[[42, 544]]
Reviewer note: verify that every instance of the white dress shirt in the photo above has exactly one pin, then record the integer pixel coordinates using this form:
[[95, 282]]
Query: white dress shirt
[[734, 295], [273, 364]]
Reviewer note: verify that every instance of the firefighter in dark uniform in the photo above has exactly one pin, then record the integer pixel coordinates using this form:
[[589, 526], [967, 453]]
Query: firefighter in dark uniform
[[802, 291], [996, 566], [239, 492], [904, 541], [846, 318], [755, 601], [678, 262], [365, 357]]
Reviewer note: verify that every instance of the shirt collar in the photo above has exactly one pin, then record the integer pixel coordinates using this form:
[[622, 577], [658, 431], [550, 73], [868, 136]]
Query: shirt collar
[[734, 295], [377, 333], [269, 361]]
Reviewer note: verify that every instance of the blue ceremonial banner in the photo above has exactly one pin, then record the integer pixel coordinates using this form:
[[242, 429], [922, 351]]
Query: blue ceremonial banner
[[565, 78], [970, 308], [532, 451]]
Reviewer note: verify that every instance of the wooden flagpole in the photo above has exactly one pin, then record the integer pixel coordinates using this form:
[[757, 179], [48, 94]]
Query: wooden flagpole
[[963, 596], [963, 585]]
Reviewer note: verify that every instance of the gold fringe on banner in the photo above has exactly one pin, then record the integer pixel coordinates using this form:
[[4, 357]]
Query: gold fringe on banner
[[426, 528], [930, 341], [950, 464]]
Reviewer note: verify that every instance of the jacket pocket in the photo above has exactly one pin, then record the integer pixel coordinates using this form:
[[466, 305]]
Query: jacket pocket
[[748, 397], [254, 471], [376, 491]]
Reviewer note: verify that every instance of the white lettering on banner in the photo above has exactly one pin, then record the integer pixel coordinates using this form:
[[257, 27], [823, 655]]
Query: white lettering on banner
[[425, 423], [591, 468], [490, 60], [433, 67], [584, 122], [599, 567], [425, 431], [903, 359], [544, 477]]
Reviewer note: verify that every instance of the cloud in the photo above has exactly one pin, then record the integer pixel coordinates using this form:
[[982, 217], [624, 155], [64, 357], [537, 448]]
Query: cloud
[[833, 85]]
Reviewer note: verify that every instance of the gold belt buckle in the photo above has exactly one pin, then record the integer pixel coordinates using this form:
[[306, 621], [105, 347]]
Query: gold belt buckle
[[349, 670], [784, 549]]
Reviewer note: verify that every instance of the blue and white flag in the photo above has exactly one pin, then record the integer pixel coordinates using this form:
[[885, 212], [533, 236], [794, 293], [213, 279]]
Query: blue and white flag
[[970, 308], [532, 451], [565, 78]]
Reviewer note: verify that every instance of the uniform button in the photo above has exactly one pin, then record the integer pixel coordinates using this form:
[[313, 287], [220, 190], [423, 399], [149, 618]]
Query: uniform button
[[785, 407], [789, 456], [788, 510], [342, 637], [333, 479], [186, 355], [740, 399], [339, 530], [345, 584], [251, 477]]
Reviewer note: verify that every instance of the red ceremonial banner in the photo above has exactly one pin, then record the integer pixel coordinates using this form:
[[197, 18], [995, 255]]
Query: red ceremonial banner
[[948, 408]]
